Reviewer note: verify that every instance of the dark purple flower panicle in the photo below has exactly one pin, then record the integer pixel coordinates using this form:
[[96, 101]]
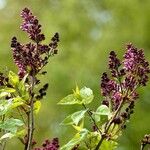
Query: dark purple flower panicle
[[19, 56], [32, 57], [116, 99], [114, 64], [129, 82], [136, 65], [107, 85], [110, 90], [31, 26], [50, 145], [126, 77]]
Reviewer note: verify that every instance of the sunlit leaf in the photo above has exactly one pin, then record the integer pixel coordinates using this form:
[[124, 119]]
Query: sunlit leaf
[[4, 106], [96, 117], [6, 136], [80, 125], [24, 78], [86, 95], [75, 140], [11, 125], [20, 133], [3, 94], [74, 118], [78, 128], [15, 102], [109, 145], [13, 78], [103, 110], [77, 90], [22, 91], [37, 106], [101, 113], [69, 100], [92, 139], [8, 90]]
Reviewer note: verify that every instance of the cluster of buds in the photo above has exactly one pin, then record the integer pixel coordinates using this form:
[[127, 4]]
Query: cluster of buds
[[42, 92], [145, 141], [50, 145], [32, 57], [126, 77]]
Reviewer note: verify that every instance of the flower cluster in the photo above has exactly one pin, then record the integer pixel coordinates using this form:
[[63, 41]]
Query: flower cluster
[[135, 64], [49, 145], [110, 89], [114, 64], [126, 77], [31, 26], [31, 57]]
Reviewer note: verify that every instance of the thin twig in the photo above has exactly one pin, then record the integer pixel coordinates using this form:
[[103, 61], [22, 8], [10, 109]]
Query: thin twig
[[28, 146], [21, 115], [142, 146], [108, 126], [90, 115]]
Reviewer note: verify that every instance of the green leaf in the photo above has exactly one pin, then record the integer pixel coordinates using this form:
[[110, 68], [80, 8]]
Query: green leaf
[[4, 106], [19, 85], [37, 106], [86, 95], [15, 102], [74, 118], [8, 90], [102, 110], [21, 133], [69, 100], [75, 140], [92, 140], [77, 116], [24, 78], [7, 106], [6, 136], [13, 78], [96, 117], [101, 114], [23, 91], [109, 145], [3, 94], [80, 125], [11, 125]]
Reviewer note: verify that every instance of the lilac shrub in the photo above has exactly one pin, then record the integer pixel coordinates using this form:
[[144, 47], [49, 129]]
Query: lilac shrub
[[33, 56], [19, 90], [119, 91], [20, 101]]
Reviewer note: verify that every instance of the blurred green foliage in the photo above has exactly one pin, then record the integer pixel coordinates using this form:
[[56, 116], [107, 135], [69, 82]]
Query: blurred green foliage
[[88, 29]]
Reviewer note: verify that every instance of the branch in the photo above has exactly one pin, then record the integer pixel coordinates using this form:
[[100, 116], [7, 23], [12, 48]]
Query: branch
[[30, 115], [108, 126], [90, 115]]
